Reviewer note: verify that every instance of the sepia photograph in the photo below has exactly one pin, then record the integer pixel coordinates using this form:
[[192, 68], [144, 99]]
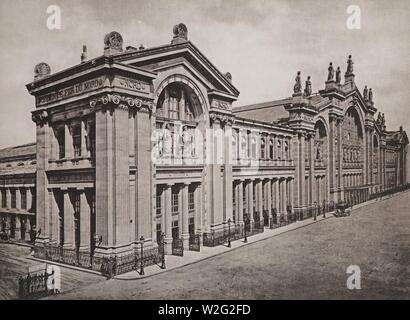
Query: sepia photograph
[[206, 155]]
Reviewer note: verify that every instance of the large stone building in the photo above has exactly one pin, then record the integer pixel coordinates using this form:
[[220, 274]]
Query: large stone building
[[144, 141]]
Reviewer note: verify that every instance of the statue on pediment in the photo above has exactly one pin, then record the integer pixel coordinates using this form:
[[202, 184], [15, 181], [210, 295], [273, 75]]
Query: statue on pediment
[[370, 95], [365, 93], [308, 87], [338, 75], [180, 32], [331, 73], [297, 88], [349, 65]]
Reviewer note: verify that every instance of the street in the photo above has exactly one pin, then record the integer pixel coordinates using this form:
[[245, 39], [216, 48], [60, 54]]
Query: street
[[306, 263]]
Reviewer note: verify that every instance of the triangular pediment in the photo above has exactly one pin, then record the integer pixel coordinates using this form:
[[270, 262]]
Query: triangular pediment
[[181, 54]]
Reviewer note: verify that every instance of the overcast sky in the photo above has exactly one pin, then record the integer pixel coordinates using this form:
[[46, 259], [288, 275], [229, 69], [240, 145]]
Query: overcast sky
[[262, 44]]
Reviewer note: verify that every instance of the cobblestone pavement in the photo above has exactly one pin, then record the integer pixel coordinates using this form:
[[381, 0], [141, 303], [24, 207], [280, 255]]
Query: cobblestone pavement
[[306, 263]]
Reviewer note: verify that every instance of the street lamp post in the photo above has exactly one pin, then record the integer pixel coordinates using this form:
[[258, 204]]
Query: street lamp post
[[163, 251], [229, 232], [142, 256], [315, 213], [246, 221]]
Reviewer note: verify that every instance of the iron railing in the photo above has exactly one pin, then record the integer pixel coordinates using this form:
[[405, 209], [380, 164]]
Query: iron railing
[[35, 286]]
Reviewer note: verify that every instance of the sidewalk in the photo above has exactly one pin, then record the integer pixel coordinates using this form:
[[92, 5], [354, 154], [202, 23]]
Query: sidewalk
[[190, 257]]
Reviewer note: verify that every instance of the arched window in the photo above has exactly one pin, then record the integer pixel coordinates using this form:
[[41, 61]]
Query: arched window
[[286, 147]]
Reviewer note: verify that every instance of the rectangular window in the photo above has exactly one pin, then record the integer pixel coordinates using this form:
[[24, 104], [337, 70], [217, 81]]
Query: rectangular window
[[159, 232], [77, 203], [3, 198], [77, 141], [175, 200], [175, 229], [191, 200], [23, 193], [61, 143], [191, 226], [13, 197], [158, 202]]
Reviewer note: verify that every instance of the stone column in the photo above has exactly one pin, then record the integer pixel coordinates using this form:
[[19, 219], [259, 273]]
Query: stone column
[[284, 198], [168, 217], [371, 161], [54, 217], [29, 200], [68, 142], [8, 198], [332, 157], [259, 199], [268, 195], [199, 223], [85, 219], [291, 195], [68, 221], [185, 213], [28, 228], [340, 159], [84, 151], [240, 201], [312, 168], [249, 187], [228, 172], [17, 230], [276, 199]]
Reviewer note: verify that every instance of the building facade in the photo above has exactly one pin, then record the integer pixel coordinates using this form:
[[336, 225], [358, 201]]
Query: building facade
[[141, 142]]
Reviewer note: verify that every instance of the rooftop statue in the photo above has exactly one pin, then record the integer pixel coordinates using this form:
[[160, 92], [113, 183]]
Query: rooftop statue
[[308, 87], [370, 95], [338, 75], [365, 93], [180, 32], [349, 65], [297, 88], [41, 70], [331, 73]]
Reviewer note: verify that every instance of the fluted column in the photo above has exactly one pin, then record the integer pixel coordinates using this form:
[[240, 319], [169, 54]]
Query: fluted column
[[340, 159], [259, 199], [17, 229], [276, 198]]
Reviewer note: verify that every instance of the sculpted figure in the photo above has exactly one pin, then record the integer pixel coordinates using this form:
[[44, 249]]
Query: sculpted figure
[[349, 65], [370, 95], [297, 88], [365, 93], [308, 87], [338, 75], [331, 73]]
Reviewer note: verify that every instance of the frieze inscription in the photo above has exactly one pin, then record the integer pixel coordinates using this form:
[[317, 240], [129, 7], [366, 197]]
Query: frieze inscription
[[64, 93]]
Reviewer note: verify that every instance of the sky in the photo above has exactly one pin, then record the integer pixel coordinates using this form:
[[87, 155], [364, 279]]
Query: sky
[[261, 43]]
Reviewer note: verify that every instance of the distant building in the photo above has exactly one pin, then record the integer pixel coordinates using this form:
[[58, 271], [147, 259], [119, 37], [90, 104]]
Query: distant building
[[124, 150]]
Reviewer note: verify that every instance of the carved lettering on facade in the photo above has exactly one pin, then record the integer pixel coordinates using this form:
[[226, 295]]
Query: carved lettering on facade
[[132, 84], [73, 90]]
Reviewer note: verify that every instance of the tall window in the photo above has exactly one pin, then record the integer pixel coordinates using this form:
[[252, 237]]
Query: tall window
[[263, 148], [158, 201], [233, 202], [279, 148], [61, 142], [13, 197], [23, 193], [3, 198], [159, 232], [77, 140], [253, 148], [286, 147], [271, 149], [191, 200], [175, 200], [175, 229], [244, 147], [234, 145], [254, 196]]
